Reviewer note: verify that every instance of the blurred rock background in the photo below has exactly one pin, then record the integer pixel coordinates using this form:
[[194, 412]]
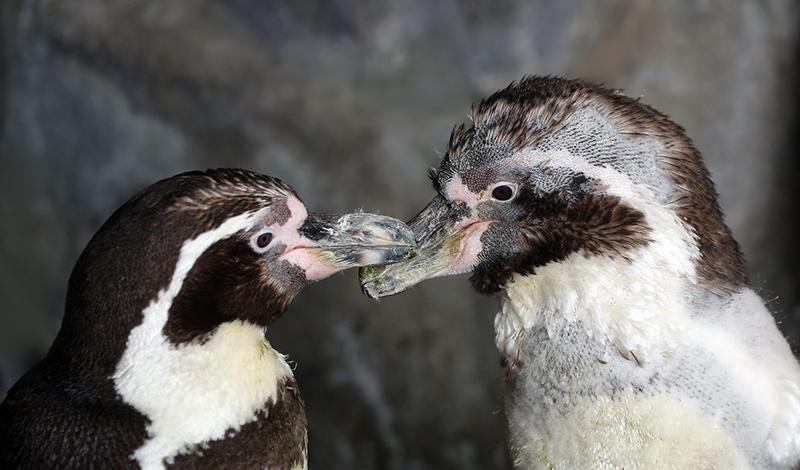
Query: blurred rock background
[[350, 102]]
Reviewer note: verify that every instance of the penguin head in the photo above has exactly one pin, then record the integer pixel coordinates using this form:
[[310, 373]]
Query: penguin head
[[216, 246], [551, 169]]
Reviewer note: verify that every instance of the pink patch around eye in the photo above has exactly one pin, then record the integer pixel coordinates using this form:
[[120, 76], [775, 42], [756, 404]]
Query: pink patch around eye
[[298, 213], [287, 233], [456, 190], [295, 252]]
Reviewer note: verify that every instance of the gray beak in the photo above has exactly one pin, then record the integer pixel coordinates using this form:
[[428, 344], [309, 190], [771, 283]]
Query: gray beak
[[343, 241], [438, 244]]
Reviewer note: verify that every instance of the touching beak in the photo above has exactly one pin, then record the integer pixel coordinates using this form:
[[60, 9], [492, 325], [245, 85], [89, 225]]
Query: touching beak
[[341, 241], [439, 234]]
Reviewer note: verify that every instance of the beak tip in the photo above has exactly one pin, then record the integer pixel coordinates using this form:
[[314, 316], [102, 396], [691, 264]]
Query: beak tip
[[368, 280], [373, 291], [365, 288]]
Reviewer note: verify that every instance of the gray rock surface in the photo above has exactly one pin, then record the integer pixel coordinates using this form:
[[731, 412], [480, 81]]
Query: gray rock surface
[[350, 102]]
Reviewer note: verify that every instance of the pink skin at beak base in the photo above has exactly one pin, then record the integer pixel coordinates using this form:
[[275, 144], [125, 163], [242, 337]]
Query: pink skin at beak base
[[297, 247], [471, 246]]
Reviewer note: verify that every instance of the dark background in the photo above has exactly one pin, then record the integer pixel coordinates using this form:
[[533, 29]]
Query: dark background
[[350, 102]]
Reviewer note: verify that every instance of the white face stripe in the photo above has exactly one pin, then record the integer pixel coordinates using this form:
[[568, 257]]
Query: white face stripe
[[616, 182], [191, 250], [191, 393], [627, 164]]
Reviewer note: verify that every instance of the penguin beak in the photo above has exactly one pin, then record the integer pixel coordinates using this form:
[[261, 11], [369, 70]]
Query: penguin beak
[[439, 229], [341, 241]]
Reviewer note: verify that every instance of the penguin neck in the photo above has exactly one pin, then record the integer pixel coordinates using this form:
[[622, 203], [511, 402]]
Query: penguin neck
[[197, 392], [638, 302], [234, 358]]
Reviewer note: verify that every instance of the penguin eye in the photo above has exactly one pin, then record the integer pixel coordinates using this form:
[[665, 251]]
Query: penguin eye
[[263, 240], [503, 192]]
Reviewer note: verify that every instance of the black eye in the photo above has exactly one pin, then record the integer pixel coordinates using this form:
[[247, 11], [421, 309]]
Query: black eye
[[502, 193], [264, 240]]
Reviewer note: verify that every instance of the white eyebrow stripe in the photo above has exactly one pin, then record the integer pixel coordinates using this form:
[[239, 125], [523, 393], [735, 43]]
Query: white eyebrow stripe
[[618, 183]]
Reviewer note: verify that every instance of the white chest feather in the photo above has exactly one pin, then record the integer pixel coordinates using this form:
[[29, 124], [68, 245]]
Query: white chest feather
[[638, 305], [728, 397], [195, 393], [627, 431], [627, 364]]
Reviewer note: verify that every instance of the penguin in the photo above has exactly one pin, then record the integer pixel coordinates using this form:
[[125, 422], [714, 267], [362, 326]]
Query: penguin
[[161, 360], [628, 334]]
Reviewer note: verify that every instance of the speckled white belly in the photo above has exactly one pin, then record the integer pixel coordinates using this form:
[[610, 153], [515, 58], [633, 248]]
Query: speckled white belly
[[576, 403], [628, 431]]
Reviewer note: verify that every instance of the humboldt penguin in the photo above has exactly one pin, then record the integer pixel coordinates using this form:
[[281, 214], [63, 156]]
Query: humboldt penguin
[[161, 359], [629, 336]]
